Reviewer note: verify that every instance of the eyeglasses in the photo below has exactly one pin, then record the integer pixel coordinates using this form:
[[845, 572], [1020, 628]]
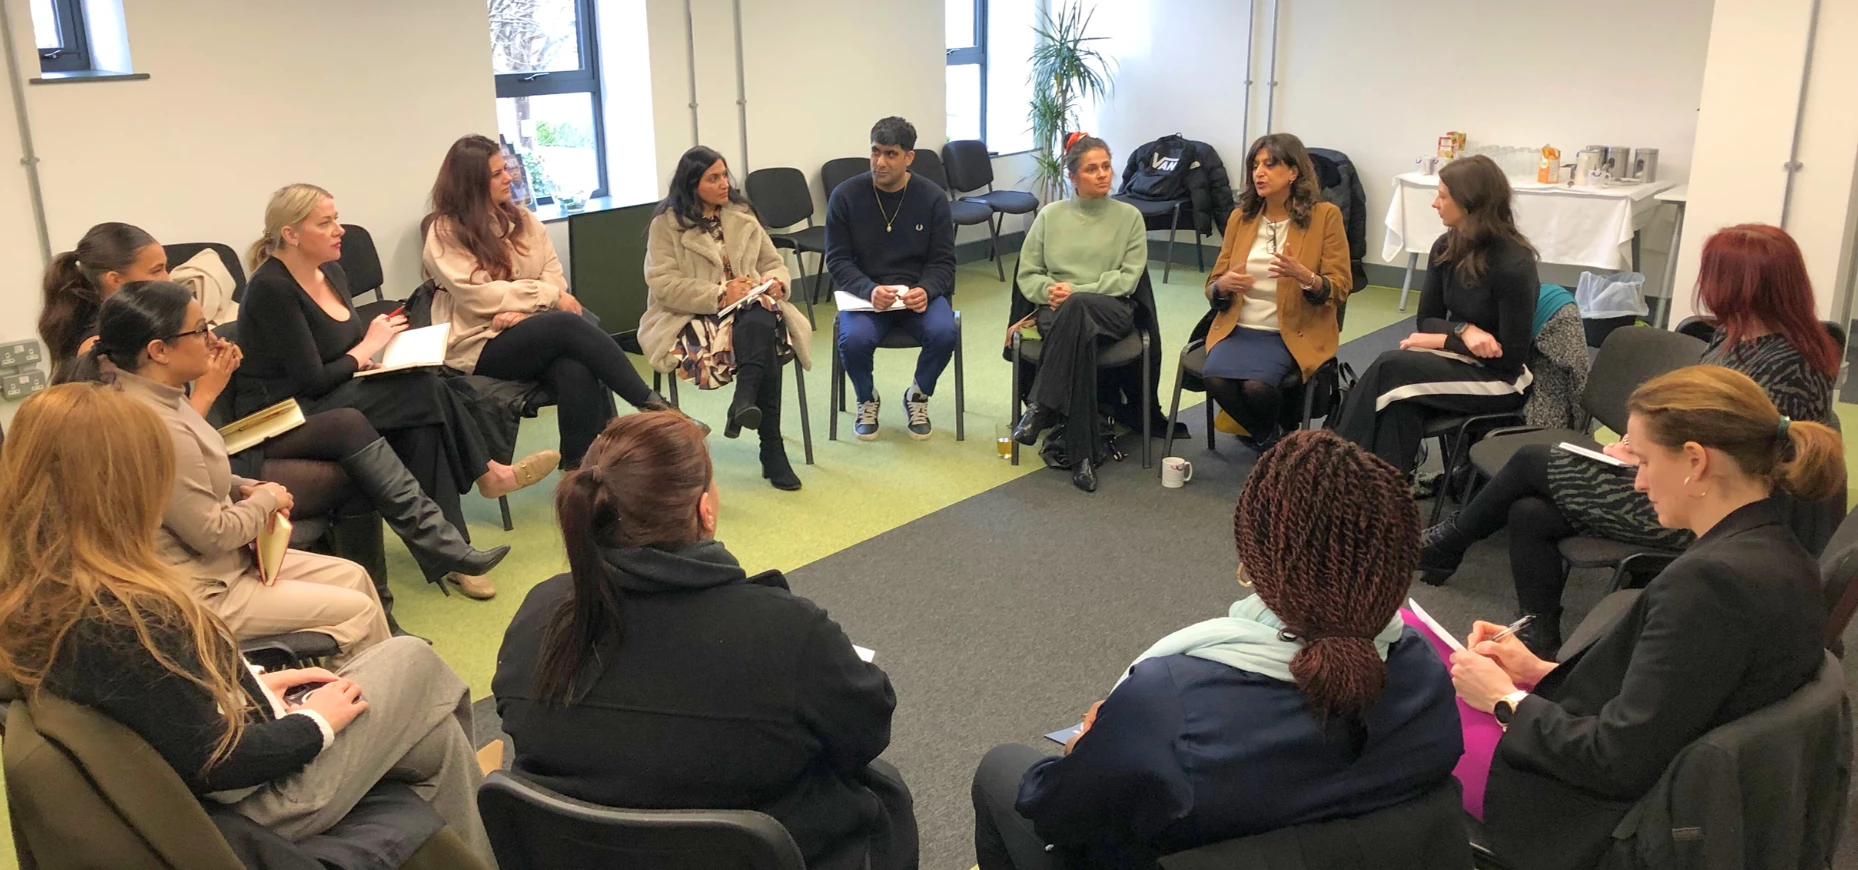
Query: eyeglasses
[[204, 330]]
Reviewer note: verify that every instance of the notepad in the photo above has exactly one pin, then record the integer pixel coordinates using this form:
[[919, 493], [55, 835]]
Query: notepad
[[864, 653], [249, 431], [1433, 625], [272, 543], [754, 292], [1594, 455], [847, 301], [1063, 736], [412, 349]]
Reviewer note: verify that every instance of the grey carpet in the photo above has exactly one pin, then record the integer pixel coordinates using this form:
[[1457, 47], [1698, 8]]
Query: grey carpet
[[1004, 616]]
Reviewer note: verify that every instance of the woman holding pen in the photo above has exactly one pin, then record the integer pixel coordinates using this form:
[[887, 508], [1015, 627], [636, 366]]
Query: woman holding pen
[[708, 317], [1732, 626]]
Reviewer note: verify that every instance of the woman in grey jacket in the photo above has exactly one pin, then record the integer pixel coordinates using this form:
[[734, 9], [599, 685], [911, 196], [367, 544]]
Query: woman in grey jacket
[[707, 254]]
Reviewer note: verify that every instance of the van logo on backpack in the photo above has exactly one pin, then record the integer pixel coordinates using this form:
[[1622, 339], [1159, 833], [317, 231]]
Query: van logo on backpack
[[1166, 164]]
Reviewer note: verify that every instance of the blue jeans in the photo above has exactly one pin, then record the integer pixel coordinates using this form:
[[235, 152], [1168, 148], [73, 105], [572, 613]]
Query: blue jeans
[[860, 332]]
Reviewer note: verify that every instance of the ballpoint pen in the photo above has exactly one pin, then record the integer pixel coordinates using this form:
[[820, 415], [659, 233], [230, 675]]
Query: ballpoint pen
[[1513, 628]]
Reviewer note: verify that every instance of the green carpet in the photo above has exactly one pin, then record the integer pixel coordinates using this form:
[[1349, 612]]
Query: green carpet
[[856, 491]]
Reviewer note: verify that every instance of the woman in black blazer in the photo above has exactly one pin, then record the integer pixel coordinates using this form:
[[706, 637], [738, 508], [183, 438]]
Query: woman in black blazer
[[1732, 626], [657, 674]]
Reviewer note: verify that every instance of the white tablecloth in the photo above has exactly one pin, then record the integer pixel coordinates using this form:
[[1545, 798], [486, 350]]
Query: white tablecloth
[[1575, 226]]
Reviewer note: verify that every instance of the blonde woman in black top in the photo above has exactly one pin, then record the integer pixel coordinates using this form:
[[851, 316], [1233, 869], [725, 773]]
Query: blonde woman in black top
[[1476, 316]]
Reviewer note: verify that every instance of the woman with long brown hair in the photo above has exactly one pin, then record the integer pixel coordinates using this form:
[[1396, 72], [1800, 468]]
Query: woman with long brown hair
[[1476, 323], [90, 613], [658, 673], [508, 303], [1309, 701], [1732, 626], [1753, 281], [1282, 274]]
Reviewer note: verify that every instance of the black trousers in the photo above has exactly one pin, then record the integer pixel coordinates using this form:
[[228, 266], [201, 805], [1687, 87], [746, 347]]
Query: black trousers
[[1394, 432], [1519, 497], [577, 362], [1004, 839], [756, 340], [1066, 384]]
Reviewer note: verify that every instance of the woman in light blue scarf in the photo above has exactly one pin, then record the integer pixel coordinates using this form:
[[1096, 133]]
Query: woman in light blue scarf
[[1308, 701]]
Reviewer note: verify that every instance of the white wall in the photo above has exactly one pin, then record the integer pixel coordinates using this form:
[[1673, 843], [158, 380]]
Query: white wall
[[1381, 81], [1756, 58], [360, 97], [244, 98]]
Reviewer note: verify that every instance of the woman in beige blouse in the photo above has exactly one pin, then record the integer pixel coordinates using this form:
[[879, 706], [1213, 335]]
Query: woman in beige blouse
[[508, 303], [157, 339], [707, 252]]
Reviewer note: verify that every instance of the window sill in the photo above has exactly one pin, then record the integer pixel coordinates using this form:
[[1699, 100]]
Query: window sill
[[551, 213], [85, 75], [995, 155]]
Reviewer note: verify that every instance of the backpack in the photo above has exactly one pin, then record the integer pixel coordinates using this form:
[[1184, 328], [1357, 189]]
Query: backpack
[[1162, 174]]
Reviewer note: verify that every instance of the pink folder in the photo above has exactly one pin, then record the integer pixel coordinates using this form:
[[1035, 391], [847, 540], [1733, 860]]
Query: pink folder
[[1481, 731]]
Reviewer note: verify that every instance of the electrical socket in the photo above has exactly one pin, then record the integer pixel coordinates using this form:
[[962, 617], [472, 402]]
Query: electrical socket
[[21, 353], [23, 384]]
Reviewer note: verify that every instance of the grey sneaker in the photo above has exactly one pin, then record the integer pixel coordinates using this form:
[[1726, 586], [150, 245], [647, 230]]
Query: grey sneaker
[[866, 425], [916, 405]]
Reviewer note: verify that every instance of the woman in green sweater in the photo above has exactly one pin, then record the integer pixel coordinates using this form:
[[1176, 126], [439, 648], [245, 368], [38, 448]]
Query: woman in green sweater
[[1080, 264]]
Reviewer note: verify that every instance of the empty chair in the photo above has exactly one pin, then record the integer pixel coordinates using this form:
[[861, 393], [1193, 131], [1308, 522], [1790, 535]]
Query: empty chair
[[838, 170], [965, 213], [361, 262], [532, 828], [969, 168], [782, 199]]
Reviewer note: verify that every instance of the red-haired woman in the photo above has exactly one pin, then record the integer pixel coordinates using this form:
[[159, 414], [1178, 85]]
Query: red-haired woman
[[508, 303], [1753, 281], [1309, 701]]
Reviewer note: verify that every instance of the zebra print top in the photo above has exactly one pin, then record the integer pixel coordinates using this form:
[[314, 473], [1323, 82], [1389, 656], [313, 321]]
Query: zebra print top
[[1798, 390], [1600, 500]]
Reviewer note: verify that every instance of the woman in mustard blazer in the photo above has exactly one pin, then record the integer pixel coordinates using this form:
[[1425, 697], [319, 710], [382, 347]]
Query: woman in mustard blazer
[[1282, 273]]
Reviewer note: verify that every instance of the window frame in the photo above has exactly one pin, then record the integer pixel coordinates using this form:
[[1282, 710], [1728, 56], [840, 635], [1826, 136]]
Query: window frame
[[585, 80], [74, 55], [975, 55]]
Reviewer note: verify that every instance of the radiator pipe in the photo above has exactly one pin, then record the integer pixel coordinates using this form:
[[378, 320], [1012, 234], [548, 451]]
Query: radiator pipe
[[28, 157]]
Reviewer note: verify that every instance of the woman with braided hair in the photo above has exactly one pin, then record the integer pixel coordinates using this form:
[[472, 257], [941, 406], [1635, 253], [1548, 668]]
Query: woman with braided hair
[[1732, 626], [1309, 701]]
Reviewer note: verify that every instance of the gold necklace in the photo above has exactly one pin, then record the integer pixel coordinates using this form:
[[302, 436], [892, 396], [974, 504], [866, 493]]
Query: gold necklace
[[888, 218]]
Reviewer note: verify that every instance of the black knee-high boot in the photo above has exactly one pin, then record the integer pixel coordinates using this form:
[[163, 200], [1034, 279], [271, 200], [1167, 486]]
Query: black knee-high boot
[[774, 464], [745, 411], [435, 544]]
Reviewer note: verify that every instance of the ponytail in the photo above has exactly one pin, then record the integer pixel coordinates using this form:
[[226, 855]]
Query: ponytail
[[259, 252], [638, 487], [1722, 409], [73, 285], [597, 610], [1813, 461], [1329, 536]]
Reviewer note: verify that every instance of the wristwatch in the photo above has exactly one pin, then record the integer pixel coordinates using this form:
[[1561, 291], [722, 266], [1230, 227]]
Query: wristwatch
[[1459, 328], [1505, 710]]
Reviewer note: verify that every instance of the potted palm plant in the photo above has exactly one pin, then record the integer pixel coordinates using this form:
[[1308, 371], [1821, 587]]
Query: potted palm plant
[[1066, 71]]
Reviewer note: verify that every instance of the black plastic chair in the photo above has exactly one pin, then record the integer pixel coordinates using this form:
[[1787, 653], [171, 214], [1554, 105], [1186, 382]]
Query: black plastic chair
[[806, 421], [1317, 398], [969, 168], [839, 170], [181, 252], [896, 339], [1137, 346], [1424, 832], [781, 197], [965, 213], [1838, 567], [533, 828], [1166, 214], [295, 649], [361, 262]]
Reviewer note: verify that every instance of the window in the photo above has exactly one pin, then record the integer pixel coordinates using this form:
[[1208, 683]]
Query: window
[[546, 59], [58, 31], [989, 61]]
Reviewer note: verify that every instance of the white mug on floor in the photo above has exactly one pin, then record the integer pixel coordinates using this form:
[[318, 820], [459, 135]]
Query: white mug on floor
[[1176, 471]]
